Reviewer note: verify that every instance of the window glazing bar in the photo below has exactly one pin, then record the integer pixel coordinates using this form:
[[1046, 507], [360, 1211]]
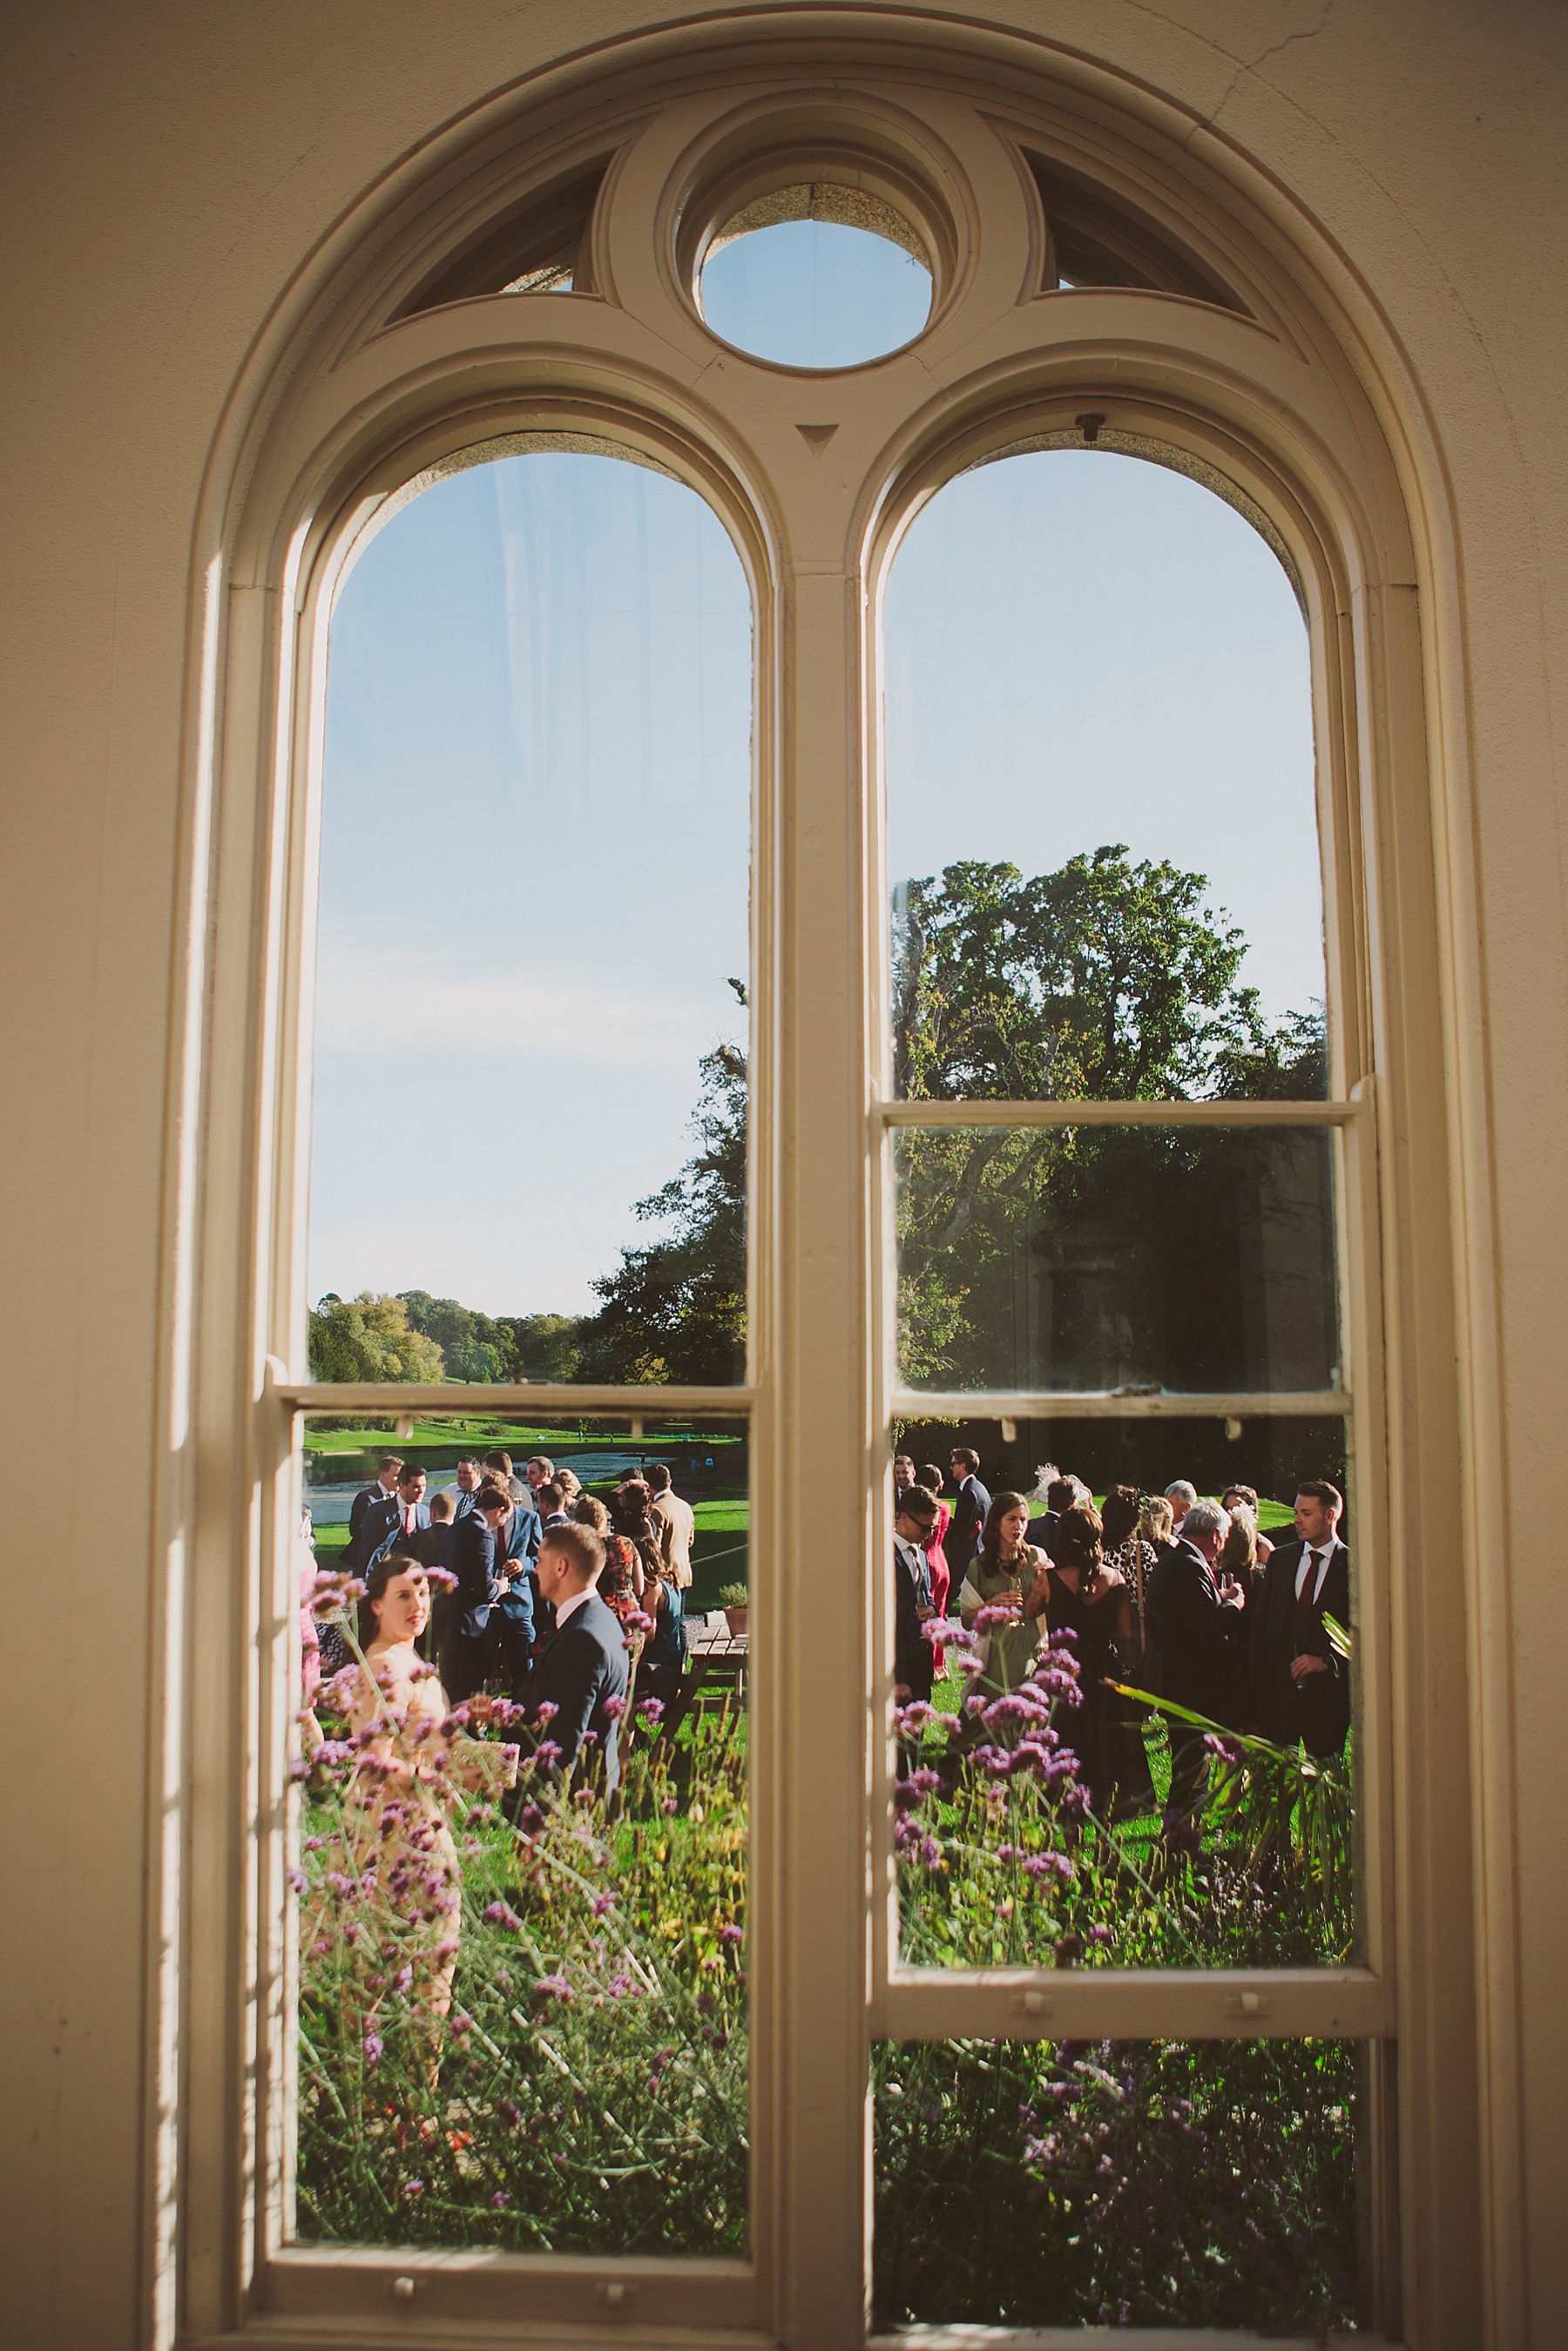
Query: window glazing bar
[[547, 1400], [1134, 2004], [927, 1114], [1116, 1404]]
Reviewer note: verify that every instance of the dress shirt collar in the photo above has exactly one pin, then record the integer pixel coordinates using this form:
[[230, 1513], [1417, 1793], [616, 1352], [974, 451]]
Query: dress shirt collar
[[568, 1608]]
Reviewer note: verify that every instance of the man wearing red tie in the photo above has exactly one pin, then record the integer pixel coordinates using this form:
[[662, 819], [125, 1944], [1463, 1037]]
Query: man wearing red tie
[[390, 1526], [1300, 1683]]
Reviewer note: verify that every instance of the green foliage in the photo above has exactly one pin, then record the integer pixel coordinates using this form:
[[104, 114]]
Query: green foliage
[[369, 1338], [1102, 981], [589, 2093], [734, 1595], [676, 1309], [544, 1346], [1116, 2184], [1028, 1257], [474, 1347]]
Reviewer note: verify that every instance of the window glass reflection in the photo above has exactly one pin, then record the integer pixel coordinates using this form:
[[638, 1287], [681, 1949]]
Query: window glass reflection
[[1197, 2184], [1186, 1258]]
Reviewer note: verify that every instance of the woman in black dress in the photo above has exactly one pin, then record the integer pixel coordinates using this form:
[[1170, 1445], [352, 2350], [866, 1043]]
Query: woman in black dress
[[1090, 1600]]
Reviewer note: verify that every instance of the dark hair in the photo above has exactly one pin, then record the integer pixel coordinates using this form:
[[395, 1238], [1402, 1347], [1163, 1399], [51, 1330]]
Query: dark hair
[[1120, 1515], [920, 1503], [930, 1477], [991, 1540], [410, 1471], [501, 1461], [469, 1456], [549, 1494], [1320, 1491], [1079, 1545], [659, 1479], [441, 1507], [396, 1562], [491, 1497], [582, 1546], [1247, 1494], [1061, 1493], [968, 1456]]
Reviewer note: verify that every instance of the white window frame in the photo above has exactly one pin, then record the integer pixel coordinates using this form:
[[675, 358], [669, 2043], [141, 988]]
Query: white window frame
[[338, 415]]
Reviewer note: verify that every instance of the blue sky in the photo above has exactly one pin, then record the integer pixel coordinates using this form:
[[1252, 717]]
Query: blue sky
[[535, 833]]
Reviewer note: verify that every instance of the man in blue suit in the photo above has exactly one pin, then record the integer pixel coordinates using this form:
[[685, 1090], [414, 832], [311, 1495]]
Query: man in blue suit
[[383, 1490], [582, 1669], [516, 1551], [465, 1640], [390, 1526]]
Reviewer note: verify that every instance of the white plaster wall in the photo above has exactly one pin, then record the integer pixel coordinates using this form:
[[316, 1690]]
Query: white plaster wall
[[167, 169]]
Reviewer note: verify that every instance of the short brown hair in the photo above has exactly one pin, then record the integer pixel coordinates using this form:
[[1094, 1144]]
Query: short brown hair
[[1320, 1491], [501, 1461], [410, 1471], [441, 1507], [491, 1497], [589, 1512], [968, 1456], [549, 1496], [393, 1461], [582, 1546]]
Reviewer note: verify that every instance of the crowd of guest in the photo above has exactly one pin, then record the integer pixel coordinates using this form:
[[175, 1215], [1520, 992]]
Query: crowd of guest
[[1175, 1595], [531, 1589]]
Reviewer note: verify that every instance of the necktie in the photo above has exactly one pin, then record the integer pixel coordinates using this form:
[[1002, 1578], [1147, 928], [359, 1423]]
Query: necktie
[[1306, 1578]]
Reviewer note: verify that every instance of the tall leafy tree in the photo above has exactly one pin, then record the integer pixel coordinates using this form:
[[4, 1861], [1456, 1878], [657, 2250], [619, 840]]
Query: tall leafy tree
[[676, 1309], [369, 1338], [473, 1346], [1036, 1258]]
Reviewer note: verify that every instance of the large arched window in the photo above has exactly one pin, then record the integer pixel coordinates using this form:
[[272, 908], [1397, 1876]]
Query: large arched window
[[1083, 931]]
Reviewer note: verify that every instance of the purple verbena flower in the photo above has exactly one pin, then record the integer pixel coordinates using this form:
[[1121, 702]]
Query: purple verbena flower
[[371, 2046]]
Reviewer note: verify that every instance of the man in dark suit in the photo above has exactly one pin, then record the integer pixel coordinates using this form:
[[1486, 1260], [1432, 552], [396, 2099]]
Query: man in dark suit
[[582, 1669], [1197, 1615], [383, 1490], [516, 1552], [464, 1640], [1060, 1495], [962, 1539], [915, 1515], [1300, 1686], [394, 1525], [466, 1480]]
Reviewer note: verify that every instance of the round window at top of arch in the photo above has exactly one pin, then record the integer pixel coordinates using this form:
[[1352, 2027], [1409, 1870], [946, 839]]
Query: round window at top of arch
[[816, 275]]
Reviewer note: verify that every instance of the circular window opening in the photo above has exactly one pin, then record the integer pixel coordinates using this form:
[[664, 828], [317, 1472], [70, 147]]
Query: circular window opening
[[816, 275]]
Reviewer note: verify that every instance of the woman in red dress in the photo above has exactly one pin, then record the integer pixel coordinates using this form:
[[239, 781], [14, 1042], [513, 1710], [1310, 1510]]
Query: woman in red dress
[[930, 1477]]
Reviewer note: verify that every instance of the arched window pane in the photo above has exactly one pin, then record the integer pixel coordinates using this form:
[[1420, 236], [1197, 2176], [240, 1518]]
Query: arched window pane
[[1101, 816], [533, 961], [520, 1986]]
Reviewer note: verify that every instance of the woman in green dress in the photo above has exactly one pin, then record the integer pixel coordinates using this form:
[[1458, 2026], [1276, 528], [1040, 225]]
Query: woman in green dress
[[1009, 1574]]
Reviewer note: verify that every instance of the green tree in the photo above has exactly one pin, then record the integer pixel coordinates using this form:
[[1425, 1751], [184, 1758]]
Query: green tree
[[542, 1346], [369, 1338], [1027, 1255], [473, 1345], [676, 1309]]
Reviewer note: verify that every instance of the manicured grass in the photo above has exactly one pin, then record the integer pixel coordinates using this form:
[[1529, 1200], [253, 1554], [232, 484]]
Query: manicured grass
[[459, 1429]]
